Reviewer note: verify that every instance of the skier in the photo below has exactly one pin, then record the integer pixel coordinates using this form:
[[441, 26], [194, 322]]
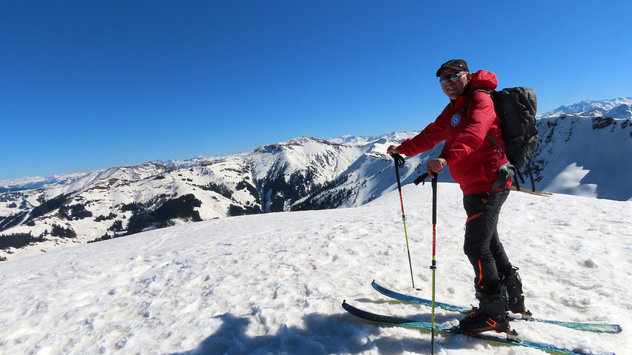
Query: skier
[[476, 164]]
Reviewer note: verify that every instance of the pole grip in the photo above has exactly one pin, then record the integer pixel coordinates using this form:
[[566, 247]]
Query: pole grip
[[399, 163], [423, 177], [399, 160], [420, 179]]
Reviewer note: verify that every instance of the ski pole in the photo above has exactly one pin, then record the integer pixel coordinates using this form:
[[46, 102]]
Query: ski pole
[[399, 163], [433, 266]]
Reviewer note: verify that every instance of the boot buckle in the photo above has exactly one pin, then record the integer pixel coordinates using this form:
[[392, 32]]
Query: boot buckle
[[492, 323]]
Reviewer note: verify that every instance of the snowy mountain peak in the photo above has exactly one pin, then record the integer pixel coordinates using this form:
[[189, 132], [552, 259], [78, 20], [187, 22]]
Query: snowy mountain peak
[[304, 173], [363, 140], [620, 107]]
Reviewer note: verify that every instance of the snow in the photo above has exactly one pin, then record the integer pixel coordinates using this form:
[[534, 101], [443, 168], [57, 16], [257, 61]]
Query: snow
[[363, 140], [619, 107], [569, 181], [274, 283], [575, 141], [576, 154]]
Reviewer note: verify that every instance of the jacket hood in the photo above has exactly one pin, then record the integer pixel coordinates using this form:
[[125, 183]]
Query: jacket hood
[[484, 80]]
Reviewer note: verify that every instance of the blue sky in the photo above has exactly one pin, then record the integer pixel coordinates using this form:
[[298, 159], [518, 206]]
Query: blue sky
[[87, 85]]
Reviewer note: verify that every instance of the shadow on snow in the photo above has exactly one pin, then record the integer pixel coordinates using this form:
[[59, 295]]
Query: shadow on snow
[[331, 334]]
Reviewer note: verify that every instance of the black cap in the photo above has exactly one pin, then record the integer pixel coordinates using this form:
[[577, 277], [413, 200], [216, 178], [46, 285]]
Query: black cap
[[456, 64]]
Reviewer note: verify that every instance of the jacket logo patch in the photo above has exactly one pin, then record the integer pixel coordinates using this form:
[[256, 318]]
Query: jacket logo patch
[[456, 119]]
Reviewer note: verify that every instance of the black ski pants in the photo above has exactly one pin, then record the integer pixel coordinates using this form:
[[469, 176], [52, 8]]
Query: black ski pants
[[482, 245]]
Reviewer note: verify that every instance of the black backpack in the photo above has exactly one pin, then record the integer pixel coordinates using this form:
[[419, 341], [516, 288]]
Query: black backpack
[[516, 108]]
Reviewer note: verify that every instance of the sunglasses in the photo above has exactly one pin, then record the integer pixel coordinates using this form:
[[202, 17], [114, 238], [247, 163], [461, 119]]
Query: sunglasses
[[451, 77]]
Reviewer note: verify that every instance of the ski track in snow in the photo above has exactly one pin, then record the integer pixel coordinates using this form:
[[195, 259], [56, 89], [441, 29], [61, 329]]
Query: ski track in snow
[[274, 283]]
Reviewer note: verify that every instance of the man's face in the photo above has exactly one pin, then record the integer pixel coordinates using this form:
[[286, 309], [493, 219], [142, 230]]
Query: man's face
[[454, 88]]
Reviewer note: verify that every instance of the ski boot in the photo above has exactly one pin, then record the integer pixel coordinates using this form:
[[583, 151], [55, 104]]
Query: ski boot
[[490, 315], [515, 298]]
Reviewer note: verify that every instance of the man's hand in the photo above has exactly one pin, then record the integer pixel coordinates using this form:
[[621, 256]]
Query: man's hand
[[392, 150], [435, 166]]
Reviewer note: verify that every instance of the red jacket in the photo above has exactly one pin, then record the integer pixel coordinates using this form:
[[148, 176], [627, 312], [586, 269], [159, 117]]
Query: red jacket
[[472, 158]]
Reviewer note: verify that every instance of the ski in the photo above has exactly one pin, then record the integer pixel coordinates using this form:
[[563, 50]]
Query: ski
[[511, 339], [589, 327]]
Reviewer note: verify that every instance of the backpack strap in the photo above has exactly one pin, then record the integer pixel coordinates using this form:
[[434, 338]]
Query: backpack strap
[[507, 170], [464, 111], [469, 96]]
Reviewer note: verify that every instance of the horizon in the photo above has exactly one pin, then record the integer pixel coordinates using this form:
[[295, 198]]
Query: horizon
[[241, 152], [89, 86], [26, 179]]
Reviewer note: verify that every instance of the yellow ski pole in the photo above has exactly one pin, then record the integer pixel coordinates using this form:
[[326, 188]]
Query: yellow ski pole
[[399, 163]]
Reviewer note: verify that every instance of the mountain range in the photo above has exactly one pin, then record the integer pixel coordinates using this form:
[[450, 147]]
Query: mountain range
[[620, 107], [581, 151]]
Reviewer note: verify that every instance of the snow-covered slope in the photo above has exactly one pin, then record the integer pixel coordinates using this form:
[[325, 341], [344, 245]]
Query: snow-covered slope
[[580, 155], [586, 156], [274, 283], [304, 173]]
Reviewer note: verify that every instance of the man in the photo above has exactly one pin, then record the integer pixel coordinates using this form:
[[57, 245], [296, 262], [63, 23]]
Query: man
[[474, 162]]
